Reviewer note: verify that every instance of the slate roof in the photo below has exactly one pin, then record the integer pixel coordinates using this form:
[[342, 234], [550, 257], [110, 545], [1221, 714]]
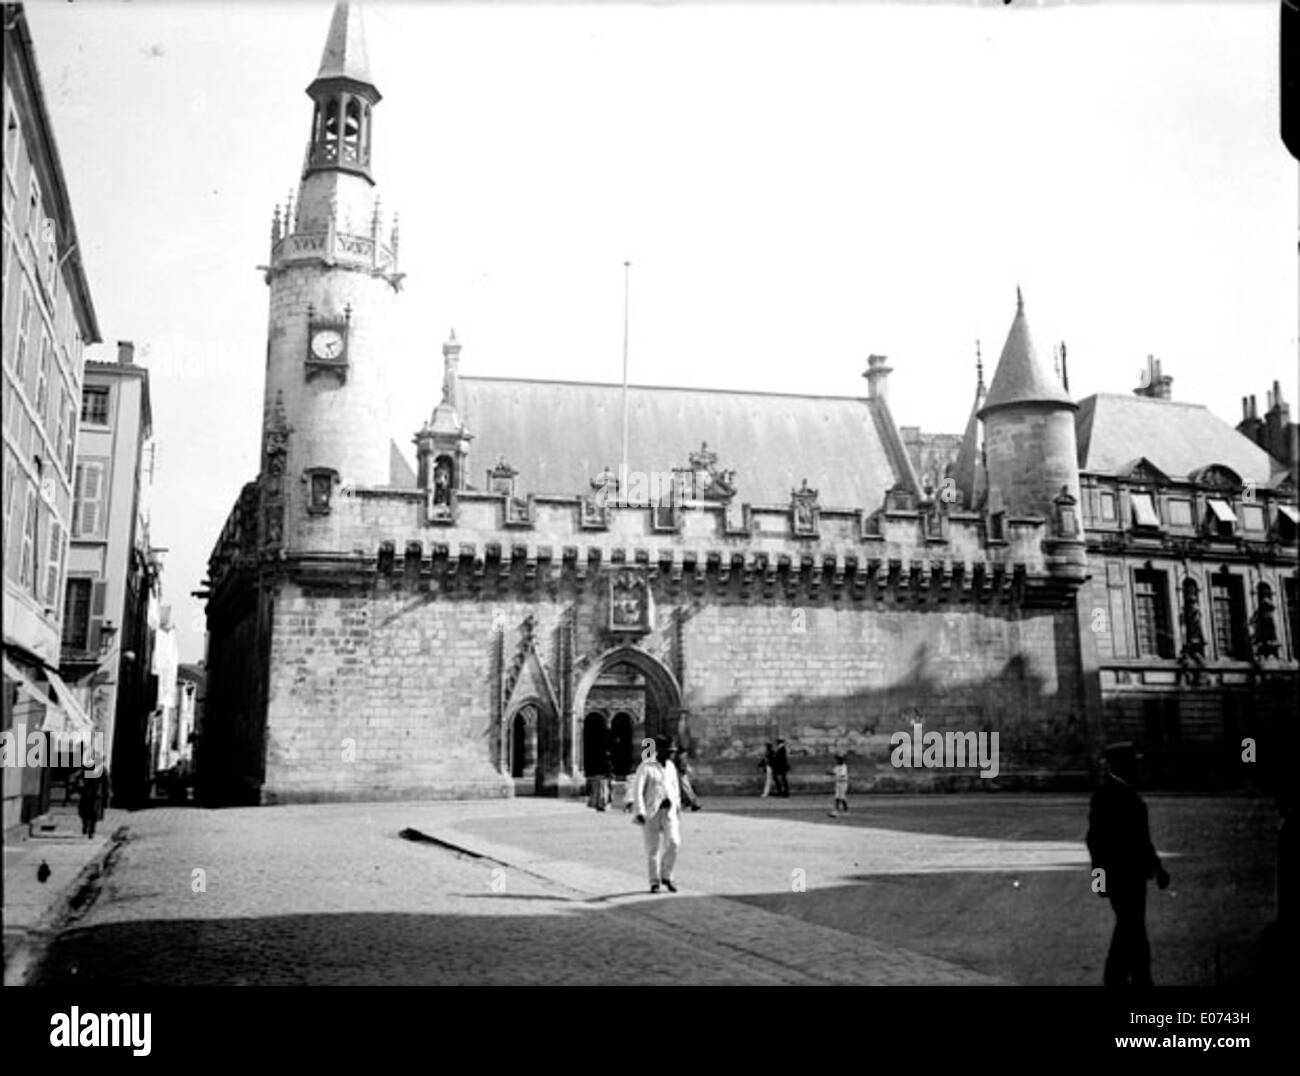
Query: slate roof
[[345, 47], [1113, 430], [561, 434], [1020, 377]]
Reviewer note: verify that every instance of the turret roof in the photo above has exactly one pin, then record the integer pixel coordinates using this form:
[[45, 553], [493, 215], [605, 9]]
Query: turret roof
[[1020, 378], [345, 47]]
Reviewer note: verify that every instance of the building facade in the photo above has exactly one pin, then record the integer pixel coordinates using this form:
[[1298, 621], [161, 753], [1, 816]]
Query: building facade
[[509, 608], [114, 582], [48, 318], [506, 613]]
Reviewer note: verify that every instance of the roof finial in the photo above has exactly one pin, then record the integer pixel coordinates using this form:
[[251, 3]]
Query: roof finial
[[1020, 301], [979, 369]]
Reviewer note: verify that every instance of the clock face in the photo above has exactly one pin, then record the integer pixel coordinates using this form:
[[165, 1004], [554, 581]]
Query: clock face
[[327, 344]]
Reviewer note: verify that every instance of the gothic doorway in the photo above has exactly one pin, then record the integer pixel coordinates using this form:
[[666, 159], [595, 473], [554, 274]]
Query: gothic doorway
[[641, 698], [595, 744], [523, 742]]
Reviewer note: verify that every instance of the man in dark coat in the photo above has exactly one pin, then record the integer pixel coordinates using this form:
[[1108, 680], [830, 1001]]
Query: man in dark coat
[[781, 769], [1119, 841]]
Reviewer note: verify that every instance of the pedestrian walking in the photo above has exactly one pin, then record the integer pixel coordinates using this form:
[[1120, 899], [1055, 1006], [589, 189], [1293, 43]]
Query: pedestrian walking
[[840, 771], [781, 769], [765, 764], [689, 796], [657, 796], [1119, 842], [606, 781], [90, 804]]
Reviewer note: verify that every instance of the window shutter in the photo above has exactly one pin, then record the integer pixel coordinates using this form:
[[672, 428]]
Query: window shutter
[[96, 616], [76, 501]]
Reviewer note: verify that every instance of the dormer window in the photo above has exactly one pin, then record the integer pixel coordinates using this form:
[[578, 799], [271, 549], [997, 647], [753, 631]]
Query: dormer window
[[1143, 507], [1252, 518], [1288, 522], [1220, 520]]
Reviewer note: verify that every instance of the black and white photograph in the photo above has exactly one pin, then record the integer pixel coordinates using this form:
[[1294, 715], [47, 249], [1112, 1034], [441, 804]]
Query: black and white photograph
[[650, 494]]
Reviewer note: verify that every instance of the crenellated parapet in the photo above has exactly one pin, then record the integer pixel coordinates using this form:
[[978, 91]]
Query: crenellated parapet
[[759, 552]]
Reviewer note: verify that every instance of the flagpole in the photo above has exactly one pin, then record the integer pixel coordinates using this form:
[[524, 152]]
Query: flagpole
[[622, 477]]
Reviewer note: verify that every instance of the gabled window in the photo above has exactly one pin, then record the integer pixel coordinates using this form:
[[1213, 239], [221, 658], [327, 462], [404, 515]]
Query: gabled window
[[1180, 512], [1220, 519], [1144, 510]]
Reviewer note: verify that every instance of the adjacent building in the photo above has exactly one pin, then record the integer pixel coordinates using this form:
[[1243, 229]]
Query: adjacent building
[[112, 611], [48, 318]]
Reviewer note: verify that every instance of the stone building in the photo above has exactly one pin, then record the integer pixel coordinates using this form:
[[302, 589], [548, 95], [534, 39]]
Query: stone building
[[47, 319], [521, 602]]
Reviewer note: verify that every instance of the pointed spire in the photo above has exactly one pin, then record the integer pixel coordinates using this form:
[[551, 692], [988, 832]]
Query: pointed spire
[[967, 469], [345, 48], [1019, 377]]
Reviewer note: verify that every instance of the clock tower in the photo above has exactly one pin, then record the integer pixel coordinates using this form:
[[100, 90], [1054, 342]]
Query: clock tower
[[333, 278]]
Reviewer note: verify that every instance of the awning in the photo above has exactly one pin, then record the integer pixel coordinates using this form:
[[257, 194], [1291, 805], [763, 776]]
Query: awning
[[63, 717], [1144, 510], [1287, 512], [1222, 511]]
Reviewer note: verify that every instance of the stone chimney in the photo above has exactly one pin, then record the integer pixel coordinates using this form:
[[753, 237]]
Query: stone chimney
[[125, 353], [1251, 425], [1277, 422], [877, 375], [1155, 383]]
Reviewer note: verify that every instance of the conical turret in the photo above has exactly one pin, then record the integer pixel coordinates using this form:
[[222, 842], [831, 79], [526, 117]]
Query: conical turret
[[1029, 437]]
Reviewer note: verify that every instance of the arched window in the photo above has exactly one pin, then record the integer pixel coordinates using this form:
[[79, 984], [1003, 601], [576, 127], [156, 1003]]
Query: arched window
[[330, 141], [352, 131]]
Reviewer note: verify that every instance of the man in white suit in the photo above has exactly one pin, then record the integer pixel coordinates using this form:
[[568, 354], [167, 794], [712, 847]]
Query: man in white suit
[[657, 799]]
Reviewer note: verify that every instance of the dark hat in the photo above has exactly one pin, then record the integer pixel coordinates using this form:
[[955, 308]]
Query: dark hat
[[1121, 751]]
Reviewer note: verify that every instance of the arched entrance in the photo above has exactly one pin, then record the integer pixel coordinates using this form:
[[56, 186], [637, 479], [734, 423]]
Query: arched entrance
[[534, 747], [523, 742], [642, 695], [595, 743]]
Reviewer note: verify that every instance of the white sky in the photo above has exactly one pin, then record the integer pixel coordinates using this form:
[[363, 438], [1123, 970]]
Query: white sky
[[796, 188]]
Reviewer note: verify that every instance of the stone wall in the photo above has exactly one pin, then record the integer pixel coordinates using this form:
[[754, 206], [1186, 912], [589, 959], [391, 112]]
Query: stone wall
[[393, 692]]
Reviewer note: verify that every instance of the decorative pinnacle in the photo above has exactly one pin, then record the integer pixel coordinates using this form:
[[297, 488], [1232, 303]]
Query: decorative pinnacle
[[979, 368], [1020, 301]]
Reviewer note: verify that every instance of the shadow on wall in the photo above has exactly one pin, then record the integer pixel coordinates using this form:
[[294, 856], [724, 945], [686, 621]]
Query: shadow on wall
[[1042, 739]]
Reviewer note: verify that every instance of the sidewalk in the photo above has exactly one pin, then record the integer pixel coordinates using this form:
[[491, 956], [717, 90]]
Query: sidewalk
[[33, 910]]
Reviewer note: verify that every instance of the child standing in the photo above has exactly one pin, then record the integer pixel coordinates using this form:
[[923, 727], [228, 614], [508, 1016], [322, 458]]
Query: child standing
[[840, 772]]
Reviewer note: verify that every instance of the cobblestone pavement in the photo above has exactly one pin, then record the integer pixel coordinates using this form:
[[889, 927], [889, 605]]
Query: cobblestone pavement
[[331, 894], [550, 892]]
